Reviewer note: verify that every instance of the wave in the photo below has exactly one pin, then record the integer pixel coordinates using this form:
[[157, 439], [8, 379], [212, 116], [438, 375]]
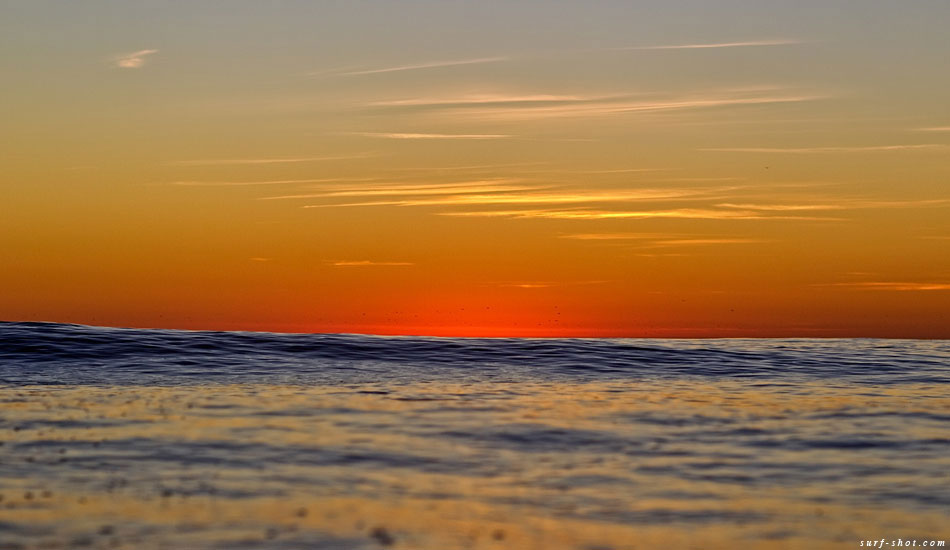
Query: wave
[[45, 353]]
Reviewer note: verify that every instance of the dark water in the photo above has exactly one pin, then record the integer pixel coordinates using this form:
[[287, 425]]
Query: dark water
[[47, 353], [121, 438]]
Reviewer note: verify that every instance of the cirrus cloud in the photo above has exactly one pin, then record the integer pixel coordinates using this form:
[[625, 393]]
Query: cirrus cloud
[[133, 60]]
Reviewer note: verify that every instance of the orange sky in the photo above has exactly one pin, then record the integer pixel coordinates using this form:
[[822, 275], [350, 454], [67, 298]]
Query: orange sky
[[478, 170]]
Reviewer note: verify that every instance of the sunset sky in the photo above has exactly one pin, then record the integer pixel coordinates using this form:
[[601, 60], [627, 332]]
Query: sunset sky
[[491, 168]]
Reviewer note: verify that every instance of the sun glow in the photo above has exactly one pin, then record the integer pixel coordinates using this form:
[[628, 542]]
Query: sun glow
[[626, 175]]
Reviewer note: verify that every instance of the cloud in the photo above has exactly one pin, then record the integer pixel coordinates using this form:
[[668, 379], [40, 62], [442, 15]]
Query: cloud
[[484, 99], [844, 204], [432, 136], [470, 167], [914, 203], [754, 43], [546, 284], [615, 171], [934, 129], [654, 240], [685, 213], [216, 162], [265, 182], [731, 178], [366, 263], [133, 60], [544, 106], [418, 66], [892, 286], [415, 189], [700, 242], [616, 236], [565, 203], [807, 150], [782, 207], [535, 197]]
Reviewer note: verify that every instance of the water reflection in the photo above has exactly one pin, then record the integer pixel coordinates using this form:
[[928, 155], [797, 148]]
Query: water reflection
[[638, 464]]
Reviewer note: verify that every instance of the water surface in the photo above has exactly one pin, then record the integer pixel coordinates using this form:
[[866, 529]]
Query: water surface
[[121, 438]]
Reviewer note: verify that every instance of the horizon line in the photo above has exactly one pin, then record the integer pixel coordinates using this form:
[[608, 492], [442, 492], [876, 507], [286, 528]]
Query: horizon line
[[790, 336]]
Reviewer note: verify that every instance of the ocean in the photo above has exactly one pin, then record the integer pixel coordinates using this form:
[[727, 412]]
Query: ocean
[[163, 439]]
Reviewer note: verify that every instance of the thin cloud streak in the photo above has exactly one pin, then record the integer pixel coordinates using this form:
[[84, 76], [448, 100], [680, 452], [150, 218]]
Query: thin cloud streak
[[595, 172], [422, 191], [699, 242], [217, 162], [547, 284], [471, 167], [846, 204], [367, 263], [622, 171], [134, 60], [540, 198], [807, 150], [662, 239], [432, 136], [618, 236], [460, 188], [430, 65], [715, 45], [544, 106], [484, 99], [266, 182], [684, 213], [891, 285], [782, 207]]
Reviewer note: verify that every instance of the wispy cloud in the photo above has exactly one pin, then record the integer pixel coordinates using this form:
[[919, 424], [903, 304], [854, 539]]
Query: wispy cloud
[[418, 66], [702, 242], [200, 183], [366, 263], [892, 285], [654, 240], [934, 129], [782, 207], [542, 106], [615, 171], [617, 236], [546, 284], [748, 44], [133, 60], [843, 203], [563, 171], [484, 99], [535, 197], [414, 189], [503, 197], [431, 136], [284, 160], [706, 179], [473, 167], [807, 150], [685, 213]]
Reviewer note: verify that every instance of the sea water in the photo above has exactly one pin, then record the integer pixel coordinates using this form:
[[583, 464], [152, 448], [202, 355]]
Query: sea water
[[148, 439]]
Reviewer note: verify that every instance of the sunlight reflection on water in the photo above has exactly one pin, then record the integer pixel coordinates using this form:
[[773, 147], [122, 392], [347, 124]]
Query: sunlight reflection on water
[[614, 464]]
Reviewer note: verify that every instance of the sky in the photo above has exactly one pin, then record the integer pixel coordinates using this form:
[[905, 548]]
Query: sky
[[738, 168]]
